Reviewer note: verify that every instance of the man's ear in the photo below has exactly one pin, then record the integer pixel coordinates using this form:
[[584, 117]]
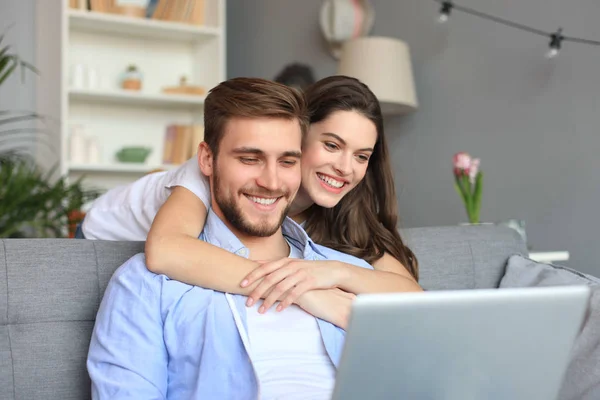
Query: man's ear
[[205, 159]]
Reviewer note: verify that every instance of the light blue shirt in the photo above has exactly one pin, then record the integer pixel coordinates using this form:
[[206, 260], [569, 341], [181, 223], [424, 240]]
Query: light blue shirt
[[157, 338]]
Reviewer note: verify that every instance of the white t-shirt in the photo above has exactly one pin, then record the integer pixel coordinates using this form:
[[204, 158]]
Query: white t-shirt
[[288, 353], [126, 212]]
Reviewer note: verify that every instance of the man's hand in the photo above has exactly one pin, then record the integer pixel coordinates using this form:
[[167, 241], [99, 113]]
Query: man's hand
[[331, 305], [287, 279]]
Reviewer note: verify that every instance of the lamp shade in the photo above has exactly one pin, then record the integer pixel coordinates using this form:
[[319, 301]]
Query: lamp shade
[[384, 65]]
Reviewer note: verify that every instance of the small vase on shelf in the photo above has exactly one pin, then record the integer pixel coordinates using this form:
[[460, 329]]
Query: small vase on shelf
[[132, 80]]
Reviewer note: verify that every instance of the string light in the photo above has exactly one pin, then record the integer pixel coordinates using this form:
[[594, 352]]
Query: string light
[[556, 38], [445, 11], [555, 43]]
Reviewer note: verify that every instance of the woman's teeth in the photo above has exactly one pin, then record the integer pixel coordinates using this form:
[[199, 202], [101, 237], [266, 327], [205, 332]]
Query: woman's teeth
[[330, 181], [262, 200]]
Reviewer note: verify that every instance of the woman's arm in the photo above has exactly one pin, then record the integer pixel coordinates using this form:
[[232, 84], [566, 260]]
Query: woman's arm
[[287, 279], [332, 305], [389, 276], [173, 248]]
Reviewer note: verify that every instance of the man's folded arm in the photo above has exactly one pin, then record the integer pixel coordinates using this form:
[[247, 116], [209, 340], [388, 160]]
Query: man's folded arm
[[127, 356]]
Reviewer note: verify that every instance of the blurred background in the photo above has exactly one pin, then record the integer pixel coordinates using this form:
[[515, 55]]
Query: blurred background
[[116, 91]]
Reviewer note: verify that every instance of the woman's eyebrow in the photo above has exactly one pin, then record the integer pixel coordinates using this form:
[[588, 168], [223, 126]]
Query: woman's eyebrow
[[342, 141], [333, 135]]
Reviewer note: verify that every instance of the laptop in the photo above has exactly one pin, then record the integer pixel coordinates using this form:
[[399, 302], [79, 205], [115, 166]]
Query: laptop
[[505, 344]]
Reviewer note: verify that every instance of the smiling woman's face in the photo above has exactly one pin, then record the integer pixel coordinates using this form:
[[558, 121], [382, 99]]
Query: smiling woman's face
[[335, 157]]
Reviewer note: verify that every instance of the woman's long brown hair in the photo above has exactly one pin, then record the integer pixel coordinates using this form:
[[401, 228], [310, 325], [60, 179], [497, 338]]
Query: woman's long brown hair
[[364, 222]]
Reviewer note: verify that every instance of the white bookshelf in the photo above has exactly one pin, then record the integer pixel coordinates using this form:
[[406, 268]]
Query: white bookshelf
[[106, 44]]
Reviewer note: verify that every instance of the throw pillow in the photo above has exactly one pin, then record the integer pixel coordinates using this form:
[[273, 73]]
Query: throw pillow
[[582, 378]]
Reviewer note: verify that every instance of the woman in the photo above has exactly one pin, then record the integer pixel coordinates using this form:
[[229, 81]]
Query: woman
[[346, 202]]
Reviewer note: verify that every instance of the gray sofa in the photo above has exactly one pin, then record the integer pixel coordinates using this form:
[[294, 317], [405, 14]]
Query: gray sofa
[[50, 291]]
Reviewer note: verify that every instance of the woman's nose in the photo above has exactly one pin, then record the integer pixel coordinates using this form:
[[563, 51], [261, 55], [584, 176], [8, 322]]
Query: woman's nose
[[344, 165]]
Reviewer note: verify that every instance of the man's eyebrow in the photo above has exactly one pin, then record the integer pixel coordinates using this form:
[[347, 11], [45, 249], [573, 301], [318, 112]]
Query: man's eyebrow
[[342, 141], [247, 150], [256, 151], [293, 153]]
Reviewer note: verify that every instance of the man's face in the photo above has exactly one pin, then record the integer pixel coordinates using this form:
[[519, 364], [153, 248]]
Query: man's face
[[256, 174]]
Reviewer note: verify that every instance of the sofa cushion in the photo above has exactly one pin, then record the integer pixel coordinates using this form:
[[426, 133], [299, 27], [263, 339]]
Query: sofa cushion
[[50, 290], [463, 257], [582, 378]]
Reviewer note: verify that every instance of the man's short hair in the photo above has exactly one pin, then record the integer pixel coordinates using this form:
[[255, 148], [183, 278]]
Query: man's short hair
[[250, 98]]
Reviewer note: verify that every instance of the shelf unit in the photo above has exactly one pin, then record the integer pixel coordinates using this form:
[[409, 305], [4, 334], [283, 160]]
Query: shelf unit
[[105, 44]]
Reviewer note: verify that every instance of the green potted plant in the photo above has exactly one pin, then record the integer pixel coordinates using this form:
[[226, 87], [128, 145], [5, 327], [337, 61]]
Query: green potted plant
[[32, 202]]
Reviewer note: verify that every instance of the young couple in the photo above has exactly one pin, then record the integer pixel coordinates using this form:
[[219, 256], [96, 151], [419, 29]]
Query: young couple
[[156, 337], [346, 201]]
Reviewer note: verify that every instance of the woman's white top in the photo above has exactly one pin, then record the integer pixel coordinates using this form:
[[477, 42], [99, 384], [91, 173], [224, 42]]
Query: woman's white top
[[126, 212]]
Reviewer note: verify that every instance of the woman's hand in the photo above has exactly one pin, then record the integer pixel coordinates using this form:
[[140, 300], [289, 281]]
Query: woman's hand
[[331, 305], [288, 278]]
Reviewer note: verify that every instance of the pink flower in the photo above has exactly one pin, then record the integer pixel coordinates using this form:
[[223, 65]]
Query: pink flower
[[462, 160], [473, 169], [462, 163]]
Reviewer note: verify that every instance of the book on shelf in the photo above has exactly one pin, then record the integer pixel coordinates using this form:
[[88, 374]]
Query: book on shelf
[[187, 11], [103, 6], [181, 143], [129, 8], [78, 4]]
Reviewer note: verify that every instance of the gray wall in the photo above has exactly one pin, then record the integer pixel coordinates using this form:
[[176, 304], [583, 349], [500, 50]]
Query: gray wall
[[483, 88], [16, 94]]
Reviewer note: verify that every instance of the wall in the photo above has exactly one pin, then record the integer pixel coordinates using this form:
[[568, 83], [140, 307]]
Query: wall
[[483, 88], [17, 21]]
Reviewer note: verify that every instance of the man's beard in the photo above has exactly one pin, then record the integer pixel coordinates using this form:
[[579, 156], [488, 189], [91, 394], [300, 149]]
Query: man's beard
[[234, 215]]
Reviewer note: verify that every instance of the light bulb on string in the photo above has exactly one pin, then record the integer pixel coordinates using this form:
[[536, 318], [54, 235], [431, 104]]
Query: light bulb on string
[[555, 43], [445, 11], [552, 53]]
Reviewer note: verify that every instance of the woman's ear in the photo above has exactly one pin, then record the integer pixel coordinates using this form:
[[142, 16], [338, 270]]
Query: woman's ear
[[205, 159]]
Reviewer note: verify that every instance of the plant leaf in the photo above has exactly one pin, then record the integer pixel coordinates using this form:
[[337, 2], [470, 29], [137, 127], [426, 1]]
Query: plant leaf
[[9, 71], [4, 51], [478, 192]]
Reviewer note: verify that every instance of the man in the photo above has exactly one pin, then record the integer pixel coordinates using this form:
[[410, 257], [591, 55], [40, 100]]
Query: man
[[157, 338]]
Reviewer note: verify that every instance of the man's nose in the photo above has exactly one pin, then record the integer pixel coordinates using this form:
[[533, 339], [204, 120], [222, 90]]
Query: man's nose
[[269, 178]]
